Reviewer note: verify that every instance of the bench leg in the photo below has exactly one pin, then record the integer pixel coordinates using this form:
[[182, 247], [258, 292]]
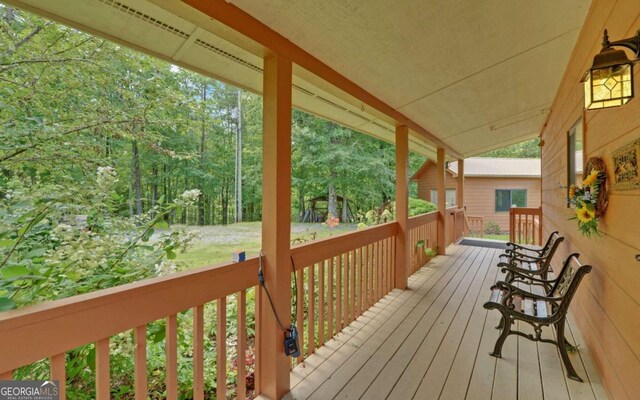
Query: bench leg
[[562, 345], [506, 329], [502, 322]]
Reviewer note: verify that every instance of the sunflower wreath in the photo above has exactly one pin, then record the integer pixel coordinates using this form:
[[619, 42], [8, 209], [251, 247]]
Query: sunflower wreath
[[590, 199]]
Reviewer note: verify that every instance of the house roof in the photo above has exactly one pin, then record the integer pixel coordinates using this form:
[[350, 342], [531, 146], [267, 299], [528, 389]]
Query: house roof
[[491, 167], [428, 164]]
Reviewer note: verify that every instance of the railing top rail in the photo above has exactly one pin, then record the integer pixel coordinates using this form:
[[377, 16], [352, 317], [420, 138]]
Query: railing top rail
[[455, 210], [309, 253], [422, 219], [58, 326], [526, 210]]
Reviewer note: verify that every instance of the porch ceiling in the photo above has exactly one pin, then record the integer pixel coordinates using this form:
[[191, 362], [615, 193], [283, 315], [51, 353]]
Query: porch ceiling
[[477, 75]]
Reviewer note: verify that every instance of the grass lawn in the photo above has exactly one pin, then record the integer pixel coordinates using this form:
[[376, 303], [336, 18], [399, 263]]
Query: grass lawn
[[215, 244]]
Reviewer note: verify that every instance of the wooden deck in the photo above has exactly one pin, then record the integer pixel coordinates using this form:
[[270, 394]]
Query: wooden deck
[[433, 340]]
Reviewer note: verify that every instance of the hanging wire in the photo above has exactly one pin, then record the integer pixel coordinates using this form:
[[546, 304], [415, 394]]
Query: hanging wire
[[273, 308]]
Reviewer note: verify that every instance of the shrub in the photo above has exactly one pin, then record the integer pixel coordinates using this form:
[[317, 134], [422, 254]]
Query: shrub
[[492, 228], [429, 252], [419, 206]]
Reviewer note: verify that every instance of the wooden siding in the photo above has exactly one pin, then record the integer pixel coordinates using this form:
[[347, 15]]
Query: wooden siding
[[427, 181], [480, 197], [608, 309]]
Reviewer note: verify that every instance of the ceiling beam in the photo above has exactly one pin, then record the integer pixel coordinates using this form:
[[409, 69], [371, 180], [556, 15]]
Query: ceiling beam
[[254, 29]]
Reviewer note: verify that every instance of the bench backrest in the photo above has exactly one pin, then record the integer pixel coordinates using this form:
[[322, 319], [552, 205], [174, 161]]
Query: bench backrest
[[568, 280], [552, 245], [554, 235]]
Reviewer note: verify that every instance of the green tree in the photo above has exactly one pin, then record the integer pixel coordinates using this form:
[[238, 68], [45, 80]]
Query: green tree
[[526, 149]]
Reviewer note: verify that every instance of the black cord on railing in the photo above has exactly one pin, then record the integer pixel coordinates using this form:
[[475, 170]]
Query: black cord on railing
[[295, 285], [261, 280], [291, 345]]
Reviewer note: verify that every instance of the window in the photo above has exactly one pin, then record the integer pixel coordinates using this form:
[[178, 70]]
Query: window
[[450, 196], [575, 155], [507, 198]]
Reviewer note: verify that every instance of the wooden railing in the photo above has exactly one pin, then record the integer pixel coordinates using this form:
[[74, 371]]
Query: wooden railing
[[525, 225], [50, 330], [337, 278], [344, 276], [456, 224], [476, 226], [423, 234]]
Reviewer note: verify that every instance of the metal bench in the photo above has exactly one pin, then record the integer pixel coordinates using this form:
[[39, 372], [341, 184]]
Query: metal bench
[[530, 264], [550, 309], [529, 249]]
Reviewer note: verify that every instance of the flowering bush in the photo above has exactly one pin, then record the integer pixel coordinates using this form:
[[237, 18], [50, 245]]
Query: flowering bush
[[332, 221], [584, 198]]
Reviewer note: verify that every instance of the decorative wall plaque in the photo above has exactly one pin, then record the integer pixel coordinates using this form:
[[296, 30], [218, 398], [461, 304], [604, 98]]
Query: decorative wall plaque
[[626, 169]]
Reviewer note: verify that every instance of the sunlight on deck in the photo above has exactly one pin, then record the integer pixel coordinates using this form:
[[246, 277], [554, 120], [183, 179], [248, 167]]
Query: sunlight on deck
[[433, 340]]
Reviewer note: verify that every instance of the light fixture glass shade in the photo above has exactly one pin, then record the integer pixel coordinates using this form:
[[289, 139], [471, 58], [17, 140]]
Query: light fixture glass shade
[[608, 86]]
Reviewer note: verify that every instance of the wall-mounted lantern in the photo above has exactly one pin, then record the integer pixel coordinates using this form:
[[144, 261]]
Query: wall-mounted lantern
[[609, 81]]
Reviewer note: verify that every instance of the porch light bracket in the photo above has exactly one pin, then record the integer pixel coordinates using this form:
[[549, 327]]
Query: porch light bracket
[[631, 43], [609, 81]]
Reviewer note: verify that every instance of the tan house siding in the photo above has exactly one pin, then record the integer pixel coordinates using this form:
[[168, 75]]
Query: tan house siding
[[480, 192], [480, 197], [607, 306], [427, 181]]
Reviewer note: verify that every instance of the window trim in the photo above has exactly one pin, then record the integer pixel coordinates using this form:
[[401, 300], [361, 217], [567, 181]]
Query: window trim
[[572, 135], [446, 191], [510, 190]]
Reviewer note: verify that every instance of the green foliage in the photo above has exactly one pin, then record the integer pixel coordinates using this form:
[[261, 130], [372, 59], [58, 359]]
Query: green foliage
[[429, 252], [419, 206], [526, 149], [387, 212], [492, 228]]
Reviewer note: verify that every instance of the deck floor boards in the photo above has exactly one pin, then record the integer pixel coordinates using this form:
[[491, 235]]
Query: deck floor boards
[[433, 340]]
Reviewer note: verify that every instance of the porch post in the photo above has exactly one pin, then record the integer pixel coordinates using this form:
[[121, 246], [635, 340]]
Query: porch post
[[402, 206], [442, 206], [273, 365], [460, 189]]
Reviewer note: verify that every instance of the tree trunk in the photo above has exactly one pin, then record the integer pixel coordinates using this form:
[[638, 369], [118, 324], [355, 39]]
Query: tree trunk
[[154, 186], [135, 165], [203, 138], [302, 209], [183, 217], [225, 201], [333, 202], [238, 182], [344, 208]]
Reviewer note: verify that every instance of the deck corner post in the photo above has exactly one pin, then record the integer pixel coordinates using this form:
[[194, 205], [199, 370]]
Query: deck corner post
[[272, 363], [442, 206], [460, 190], [402, 207]]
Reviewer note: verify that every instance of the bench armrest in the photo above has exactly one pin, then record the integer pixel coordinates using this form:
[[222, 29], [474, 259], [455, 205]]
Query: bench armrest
[[518, 276], [525, 258], [514, 290], [520, 246], [511, 254], [515, 270]]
